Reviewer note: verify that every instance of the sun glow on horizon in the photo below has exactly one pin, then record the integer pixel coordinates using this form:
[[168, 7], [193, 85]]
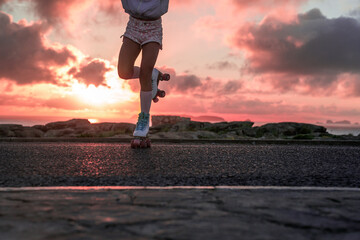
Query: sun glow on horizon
[[93, 120], [115, 92]]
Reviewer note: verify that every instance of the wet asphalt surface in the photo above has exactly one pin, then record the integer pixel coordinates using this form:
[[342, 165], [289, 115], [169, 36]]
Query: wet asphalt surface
[[116, 164]]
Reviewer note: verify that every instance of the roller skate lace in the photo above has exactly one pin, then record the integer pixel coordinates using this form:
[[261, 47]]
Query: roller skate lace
[[143, 122]]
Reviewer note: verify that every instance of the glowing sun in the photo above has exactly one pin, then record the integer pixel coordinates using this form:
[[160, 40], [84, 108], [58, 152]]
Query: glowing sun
[[115, 92]]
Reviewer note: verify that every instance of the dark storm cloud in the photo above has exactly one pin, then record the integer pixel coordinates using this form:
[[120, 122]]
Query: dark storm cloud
[[312, 52], [91, 73], [24, 56], [313, 45]]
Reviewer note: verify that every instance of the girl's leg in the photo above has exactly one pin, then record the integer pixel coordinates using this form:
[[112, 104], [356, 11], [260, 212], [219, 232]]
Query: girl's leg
[[149, 56], [129, 51], [150, 53]]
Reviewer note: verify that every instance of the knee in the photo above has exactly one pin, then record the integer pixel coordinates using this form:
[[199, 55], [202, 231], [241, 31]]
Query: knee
[[125, 73]]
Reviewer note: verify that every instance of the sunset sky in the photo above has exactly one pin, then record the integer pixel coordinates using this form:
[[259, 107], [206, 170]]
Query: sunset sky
[[263, 60]]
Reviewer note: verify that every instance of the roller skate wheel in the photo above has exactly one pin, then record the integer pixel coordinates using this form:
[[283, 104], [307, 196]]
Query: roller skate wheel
[[161, 93], [143, 144], [156, 100], [148, 143], [165, 77], [135, 143]]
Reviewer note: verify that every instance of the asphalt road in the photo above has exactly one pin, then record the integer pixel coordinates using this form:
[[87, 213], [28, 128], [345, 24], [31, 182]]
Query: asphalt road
[[109, 164]]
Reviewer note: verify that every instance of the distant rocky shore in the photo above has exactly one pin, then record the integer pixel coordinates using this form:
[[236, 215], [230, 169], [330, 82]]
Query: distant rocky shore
[[173, 127]]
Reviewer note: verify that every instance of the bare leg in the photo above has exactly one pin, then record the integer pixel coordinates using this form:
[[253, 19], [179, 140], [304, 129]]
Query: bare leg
[[129, 51], [150, 53]]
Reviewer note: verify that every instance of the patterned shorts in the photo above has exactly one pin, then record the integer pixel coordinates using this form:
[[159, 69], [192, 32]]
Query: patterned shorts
[[143, 32]]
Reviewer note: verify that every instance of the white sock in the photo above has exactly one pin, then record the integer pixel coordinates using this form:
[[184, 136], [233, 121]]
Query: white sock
[[145, 101]]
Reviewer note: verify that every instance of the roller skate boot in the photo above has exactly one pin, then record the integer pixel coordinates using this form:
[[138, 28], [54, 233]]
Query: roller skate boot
[[158, 76], [141, 139]]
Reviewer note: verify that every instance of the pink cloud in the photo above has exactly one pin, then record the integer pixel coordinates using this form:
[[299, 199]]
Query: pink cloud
[[251, 106], [17, 100], [265, 5], [27, 58], [222, 65], [91, 72], [312, 51], [349, 84], [112, 7], [232, 14], [56, 10], [179, 104], [65, 103], [71, 103], [238, 107], [187, 83], [283, 10]]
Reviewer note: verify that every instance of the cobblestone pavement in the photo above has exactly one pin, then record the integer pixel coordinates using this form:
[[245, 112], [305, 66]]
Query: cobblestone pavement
[[215, 213]]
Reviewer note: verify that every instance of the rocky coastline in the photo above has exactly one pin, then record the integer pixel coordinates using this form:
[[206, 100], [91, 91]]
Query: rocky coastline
[[173, 127]]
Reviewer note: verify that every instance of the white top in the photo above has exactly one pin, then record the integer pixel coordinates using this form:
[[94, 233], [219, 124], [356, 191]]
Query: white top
[[146, 9]]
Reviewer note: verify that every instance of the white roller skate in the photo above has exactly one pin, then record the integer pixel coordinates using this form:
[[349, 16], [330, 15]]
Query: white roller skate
[[141, 139], [156, 77]]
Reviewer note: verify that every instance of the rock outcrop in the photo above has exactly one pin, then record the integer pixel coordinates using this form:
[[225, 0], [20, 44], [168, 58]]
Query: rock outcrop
[[71, 128], [172, 127], [238, 130], [109, 129], [289, 129], [15, 130], [161, 120]]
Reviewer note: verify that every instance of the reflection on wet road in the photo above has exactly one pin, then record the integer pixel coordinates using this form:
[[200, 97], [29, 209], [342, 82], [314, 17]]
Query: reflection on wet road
[[89, 164]]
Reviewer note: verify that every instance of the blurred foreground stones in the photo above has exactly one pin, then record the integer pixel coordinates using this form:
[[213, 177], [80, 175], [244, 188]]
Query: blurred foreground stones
[[181, 214], [172, 127]]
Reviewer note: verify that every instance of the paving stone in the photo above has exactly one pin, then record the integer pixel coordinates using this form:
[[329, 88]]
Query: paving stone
[[180, 214]]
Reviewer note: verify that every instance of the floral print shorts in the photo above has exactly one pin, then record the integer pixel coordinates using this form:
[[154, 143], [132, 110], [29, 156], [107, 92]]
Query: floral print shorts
[[143, 32]]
